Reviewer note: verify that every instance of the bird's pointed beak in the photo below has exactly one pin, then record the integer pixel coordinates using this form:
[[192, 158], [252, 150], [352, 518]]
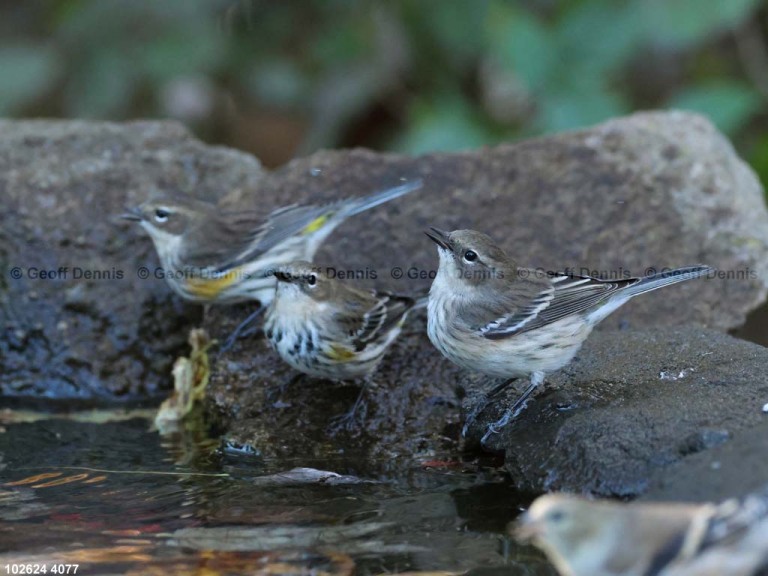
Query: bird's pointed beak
[[282, 275], [133, 214], [524, 529], [438, 237]]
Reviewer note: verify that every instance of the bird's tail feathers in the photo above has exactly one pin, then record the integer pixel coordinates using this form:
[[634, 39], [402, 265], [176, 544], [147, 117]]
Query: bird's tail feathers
[[658, 280], [358, 205]]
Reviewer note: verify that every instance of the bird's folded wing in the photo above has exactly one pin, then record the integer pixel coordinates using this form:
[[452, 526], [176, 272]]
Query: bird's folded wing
[[563, 296], [385, 313]]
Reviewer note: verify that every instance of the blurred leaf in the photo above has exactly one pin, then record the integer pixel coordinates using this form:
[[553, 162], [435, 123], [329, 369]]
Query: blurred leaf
[[346, 40], [684, 22], [444, 40], [598, 35], [27, 72], [101, 87], [278, 81], [162, 39], [181, 54], [728, 104], [523, 45], [447, 125], [336, 100], [758, 159], [575, 109], [457, 26]]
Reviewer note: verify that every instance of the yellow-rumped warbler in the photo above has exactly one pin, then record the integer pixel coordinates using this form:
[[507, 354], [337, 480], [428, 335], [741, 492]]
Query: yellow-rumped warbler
[[211, 256], [487, 314], [604, 538], [328, 329]]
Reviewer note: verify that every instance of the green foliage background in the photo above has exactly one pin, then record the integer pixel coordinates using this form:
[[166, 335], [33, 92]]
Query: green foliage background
[[282, 77]]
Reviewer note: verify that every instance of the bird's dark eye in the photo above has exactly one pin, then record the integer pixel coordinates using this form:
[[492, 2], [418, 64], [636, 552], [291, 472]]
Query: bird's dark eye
[[161, 215], [470, 255], [312, 280], [557, 516]]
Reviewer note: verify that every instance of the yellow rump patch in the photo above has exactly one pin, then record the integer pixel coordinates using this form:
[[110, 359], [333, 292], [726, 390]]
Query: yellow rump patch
[[209, 288], [340, 353], [316, 224]]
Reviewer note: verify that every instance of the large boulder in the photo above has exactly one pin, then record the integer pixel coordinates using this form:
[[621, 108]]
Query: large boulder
[[649, 190]]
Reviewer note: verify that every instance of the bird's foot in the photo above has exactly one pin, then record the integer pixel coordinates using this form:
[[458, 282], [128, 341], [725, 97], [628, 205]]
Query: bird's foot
[[351, 419], [472, 416], [273, 394], [537, 379], [482, 405], [241, 332], [508, 416]]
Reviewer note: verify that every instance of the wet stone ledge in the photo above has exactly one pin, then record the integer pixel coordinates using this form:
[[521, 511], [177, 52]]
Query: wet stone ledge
[[655, 189], [634, 406]]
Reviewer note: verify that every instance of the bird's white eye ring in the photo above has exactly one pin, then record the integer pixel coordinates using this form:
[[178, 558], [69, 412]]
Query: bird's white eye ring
[[470, 256], [161, 215], [312, 279]]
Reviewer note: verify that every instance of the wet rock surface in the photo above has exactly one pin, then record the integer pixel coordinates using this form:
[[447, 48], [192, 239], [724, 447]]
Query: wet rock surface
[[732, 469], [633, 192], [632, 406], [76, 318], [650, 190], [283, 414]]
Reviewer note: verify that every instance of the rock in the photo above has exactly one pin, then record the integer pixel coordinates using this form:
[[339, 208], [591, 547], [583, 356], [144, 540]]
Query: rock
[[63, 186], [650, 190], [657, 189], [410, 407], [733, 469], [661, 189], [631, 407]]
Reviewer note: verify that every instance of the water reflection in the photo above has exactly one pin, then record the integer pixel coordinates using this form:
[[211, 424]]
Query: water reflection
[[115, 498]]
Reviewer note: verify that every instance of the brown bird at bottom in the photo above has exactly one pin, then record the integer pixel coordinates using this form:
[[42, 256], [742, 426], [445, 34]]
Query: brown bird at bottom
[[583, 537]]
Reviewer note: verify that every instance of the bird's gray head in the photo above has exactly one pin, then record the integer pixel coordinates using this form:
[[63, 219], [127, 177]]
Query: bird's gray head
[[166, 215], [301, 279], [470, 258], [168, 218], [567, 528], [550, 516]]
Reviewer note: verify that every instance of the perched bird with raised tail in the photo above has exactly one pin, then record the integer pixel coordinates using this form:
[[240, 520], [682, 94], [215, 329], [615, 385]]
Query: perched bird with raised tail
[[489, 315], [214, 257], [327, 328], [604, 538]]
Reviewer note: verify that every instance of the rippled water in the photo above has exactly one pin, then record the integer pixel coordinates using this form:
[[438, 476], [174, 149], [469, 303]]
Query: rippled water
[[115, 498]]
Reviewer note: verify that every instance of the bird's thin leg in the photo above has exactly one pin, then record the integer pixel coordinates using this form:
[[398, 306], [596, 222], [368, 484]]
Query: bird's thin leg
[[238, 332], [279, 389], [537, 379], [483, 404], [346, 421]]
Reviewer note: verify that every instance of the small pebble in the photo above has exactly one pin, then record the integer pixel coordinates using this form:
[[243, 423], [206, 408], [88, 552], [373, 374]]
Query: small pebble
[[765, 408]]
